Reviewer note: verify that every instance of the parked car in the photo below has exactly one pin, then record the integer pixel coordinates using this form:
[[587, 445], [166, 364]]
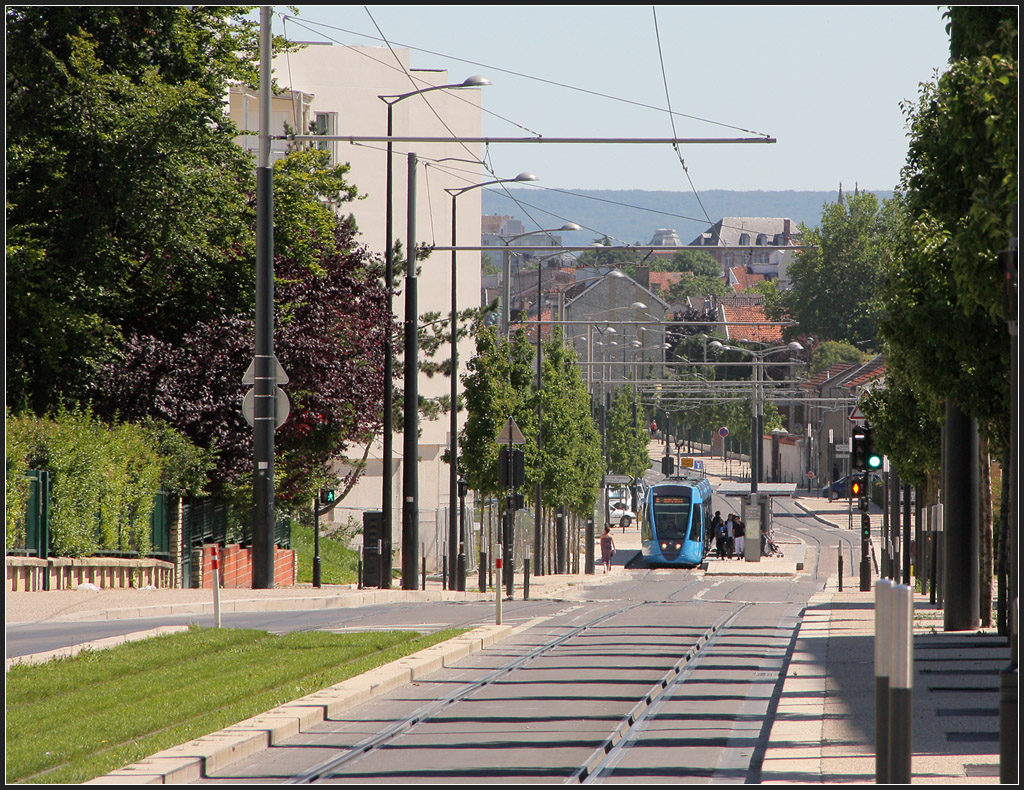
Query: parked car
[[621, 514], [840, 489]]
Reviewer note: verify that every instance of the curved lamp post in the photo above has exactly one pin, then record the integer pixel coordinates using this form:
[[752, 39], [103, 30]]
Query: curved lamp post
[[457, 537], [389, 274], [758, 417]]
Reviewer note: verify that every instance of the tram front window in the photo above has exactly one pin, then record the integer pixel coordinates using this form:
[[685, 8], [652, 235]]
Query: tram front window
[[671, 517]]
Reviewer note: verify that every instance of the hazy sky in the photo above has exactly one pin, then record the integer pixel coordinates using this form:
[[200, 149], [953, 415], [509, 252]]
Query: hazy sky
[[826, 81]]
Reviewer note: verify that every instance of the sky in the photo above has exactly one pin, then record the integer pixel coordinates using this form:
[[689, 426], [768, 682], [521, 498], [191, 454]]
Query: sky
[[827, 82]]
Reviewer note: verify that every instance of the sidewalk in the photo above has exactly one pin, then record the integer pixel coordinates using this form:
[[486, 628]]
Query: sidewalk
[[824, 730], [824, 723]]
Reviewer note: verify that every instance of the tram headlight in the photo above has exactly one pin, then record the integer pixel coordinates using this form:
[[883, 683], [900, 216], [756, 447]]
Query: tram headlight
[[664, 546], [679, 546]]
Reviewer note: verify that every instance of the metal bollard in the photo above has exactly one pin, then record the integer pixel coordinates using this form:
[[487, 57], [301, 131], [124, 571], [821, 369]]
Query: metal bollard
[[497, 590], [901, 685], [216, 585], [840, 567], [482, 571], [526, 579], [883, 616], [1008, 726]]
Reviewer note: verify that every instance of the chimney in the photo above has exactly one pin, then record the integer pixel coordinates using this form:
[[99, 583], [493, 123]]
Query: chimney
[[786, 231], [643, 276]]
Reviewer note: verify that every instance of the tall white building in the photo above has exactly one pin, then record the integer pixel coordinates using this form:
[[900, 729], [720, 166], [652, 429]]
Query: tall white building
[[335, 90]]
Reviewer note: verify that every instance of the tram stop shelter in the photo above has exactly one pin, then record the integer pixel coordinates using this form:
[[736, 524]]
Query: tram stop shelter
[[755, 510]]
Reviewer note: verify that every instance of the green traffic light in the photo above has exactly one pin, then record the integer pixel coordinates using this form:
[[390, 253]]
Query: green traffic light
[[874, 461]]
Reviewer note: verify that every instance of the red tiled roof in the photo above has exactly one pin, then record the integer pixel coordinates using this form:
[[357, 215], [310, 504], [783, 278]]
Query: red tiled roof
[[744, 279], [750, 312], [663, 281]]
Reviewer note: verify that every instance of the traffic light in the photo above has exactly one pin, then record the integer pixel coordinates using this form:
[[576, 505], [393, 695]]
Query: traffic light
[[857, 487], [326, 496], [668, 465], [872, 459], [859, 449]]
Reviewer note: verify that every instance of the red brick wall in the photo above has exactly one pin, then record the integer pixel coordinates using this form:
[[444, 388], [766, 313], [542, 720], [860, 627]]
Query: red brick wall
[[236, 567]]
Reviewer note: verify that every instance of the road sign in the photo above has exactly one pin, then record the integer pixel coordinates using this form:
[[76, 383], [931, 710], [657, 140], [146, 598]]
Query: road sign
[[280, 377], [855, 414], [617, 480], [282, 406], [723, 431], [511, 434]]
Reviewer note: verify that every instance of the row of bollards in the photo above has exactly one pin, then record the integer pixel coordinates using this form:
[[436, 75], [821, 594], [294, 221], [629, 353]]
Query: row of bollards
[[894, 681]]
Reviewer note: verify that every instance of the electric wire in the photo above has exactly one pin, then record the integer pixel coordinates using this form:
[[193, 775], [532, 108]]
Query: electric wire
[[542, 80]]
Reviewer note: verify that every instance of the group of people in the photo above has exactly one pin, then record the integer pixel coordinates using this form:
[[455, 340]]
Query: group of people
[[730, 536]]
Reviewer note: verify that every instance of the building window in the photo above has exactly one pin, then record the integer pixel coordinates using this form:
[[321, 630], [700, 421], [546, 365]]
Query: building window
[[326, 123]]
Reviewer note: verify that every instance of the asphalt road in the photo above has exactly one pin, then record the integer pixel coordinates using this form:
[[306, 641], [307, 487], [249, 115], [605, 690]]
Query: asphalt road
[[667, 676]]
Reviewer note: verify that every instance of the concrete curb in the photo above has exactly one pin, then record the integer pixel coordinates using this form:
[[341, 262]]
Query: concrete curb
[[96, 644], [203, 756], [794, 750]]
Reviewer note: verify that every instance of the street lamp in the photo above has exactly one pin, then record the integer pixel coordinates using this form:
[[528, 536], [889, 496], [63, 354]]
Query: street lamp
[[453, 441], [758, 404], [389, 274]]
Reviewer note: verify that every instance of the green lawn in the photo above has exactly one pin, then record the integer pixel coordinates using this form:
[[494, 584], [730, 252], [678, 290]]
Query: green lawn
[[74, 719], [338, 563]]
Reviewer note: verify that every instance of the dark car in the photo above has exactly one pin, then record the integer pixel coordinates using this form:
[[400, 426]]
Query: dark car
[[840, 489]]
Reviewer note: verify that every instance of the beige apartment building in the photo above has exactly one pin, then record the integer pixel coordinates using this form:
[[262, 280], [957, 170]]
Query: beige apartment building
[[335, 90]]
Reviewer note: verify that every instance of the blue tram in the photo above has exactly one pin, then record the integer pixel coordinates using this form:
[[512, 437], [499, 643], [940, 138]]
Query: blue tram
[[676, 528]]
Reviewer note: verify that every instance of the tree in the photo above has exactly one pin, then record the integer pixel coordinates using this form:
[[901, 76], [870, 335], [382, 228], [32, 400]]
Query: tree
[[700, 262], [571, 465], [496, 387], [329, 339], [834, 293], [627, 260], [627, 435], [832, 352], [127, 198], [944, 293]]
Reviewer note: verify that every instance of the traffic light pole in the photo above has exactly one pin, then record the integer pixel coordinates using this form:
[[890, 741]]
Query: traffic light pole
[[865, 544]]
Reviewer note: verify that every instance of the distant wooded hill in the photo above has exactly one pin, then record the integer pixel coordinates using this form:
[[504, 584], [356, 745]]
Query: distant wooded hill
[[631, 216]]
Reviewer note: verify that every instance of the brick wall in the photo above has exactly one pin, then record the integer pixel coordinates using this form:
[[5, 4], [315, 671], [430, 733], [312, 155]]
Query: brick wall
[[236, 567]]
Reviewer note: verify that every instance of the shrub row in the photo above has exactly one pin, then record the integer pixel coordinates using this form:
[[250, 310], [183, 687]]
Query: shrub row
[[104, 479]]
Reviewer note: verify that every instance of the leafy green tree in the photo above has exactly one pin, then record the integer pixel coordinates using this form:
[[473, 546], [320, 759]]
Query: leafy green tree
[[834, 293], [944, 293], [832, 352], [699, 262], [571, 464], [627, 435], [128, 204], [626, 260], [496, 387], [699, 286]]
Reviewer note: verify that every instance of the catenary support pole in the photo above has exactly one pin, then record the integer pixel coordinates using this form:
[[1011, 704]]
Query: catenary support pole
[[410, 461], [264, 383]]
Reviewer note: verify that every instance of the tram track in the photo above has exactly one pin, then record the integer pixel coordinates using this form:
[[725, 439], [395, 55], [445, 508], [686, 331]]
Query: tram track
[[624, 735], [377, 741], [629, 730]]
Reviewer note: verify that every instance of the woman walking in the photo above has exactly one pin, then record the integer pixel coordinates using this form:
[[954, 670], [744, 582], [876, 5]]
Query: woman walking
[[607, 548]]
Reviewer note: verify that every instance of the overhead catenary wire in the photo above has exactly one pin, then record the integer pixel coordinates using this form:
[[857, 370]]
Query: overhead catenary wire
[[543, 80], [317, 27]]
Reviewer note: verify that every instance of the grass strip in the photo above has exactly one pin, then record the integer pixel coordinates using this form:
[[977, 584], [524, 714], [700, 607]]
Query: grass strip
[[74, 719], [338, 563]]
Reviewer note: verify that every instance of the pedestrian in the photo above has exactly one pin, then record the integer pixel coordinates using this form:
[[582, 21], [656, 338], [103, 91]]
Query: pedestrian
[[730, 524], [739, 533], [721, 538], [716, 522], [607, 548]]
